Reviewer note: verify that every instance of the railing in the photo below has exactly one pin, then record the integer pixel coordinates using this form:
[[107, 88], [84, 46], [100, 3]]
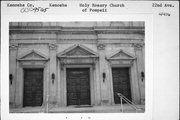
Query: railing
[[131, 104]]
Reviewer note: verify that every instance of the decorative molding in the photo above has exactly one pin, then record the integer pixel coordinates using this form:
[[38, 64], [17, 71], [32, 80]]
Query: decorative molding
[[101, 46], [95, 60], [85, 41], [121, 57], [138, 46], [32, 55], [62, 64], [33, 40], [52, 46], [77, 54], [32, 64], [13, 47], [32, 59], [121, 54], [77, 30], [127, 31], [77, 51], [32, 29]]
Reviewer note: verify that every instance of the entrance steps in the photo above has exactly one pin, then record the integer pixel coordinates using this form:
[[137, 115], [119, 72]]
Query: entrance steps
[[81, 109]]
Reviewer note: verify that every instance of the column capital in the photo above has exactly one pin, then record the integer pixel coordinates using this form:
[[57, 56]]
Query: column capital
[[138, 46], [101, 46], [13, 46], [52, 46]]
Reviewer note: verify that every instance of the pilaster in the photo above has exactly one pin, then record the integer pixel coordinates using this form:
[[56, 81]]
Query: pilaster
[[53, 74], [103, 75], [12, 73], [138, 48]]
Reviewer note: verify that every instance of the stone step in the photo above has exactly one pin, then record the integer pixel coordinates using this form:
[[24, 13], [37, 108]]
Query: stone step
[[81, 109]]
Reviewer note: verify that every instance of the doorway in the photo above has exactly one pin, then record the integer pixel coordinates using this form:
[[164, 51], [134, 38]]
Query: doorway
[[33, 87], [78, 86], [121, 83]]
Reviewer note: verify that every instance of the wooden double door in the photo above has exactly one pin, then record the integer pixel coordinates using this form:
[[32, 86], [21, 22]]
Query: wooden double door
[[121, 83], [78, 86], [33, 87]]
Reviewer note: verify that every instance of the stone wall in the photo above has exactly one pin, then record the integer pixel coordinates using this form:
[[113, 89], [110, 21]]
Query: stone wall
[[104, 38]]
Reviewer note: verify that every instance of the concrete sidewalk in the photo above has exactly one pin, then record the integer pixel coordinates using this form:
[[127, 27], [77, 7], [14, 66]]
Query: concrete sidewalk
[[80, 109]]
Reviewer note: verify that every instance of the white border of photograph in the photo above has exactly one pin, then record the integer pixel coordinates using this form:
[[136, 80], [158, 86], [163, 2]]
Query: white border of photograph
[[89, 116]]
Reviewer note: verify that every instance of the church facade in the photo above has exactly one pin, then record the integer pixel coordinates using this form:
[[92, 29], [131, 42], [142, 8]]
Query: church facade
[[76, 63]]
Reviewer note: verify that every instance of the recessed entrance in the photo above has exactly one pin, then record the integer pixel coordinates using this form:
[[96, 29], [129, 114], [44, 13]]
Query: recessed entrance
[[78, 86], [33, 87], [121, 83]]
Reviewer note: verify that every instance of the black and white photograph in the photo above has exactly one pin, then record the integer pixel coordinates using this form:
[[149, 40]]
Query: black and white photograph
[[77, 67], [89, 60]]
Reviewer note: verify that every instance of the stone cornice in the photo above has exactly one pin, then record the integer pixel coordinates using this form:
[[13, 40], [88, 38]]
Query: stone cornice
[[77, 30], [66, 41], [118, 30]]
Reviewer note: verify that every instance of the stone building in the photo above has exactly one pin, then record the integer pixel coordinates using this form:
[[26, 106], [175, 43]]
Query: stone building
[[76, 63]]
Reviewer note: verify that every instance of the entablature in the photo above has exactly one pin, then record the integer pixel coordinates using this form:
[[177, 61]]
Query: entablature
[[76, 30]]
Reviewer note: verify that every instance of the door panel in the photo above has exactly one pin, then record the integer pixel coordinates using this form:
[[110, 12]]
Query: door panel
[[78, 86], [33, 87], [121, 83]]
